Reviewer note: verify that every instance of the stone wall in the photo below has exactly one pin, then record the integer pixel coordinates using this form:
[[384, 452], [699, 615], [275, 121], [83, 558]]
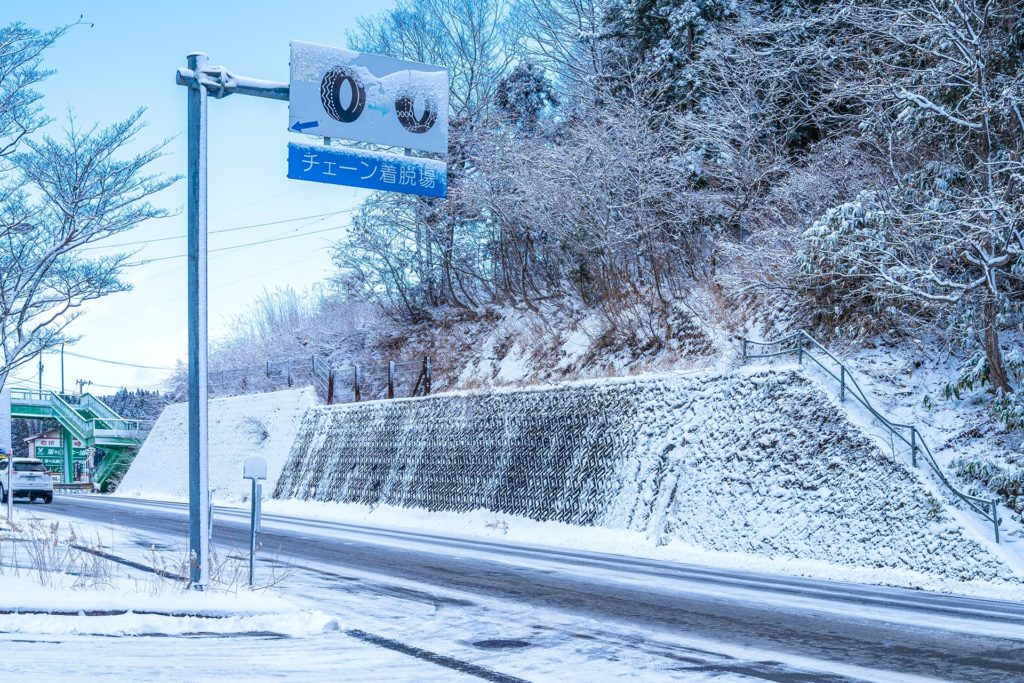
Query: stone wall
[[757, 461]]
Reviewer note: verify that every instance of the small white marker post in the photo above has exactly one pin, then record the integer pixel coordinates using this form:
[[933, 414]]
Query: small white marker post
[[255, 469], [10, 486]]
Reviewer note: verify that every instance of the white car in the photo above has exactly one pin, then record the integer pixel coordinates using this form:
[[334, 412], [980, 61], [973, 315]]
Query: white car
[[31, 480]]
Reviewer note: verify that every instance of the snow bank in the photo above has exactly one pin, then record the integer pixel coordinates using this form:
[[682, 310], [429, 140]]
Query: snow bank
[[120, 609], [257, 424], [753, 461]]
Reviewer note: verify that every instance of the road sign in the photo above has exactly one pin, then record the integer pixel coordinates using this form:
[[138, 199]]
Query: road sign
[[254, 468], [372, 170], [351, 95]]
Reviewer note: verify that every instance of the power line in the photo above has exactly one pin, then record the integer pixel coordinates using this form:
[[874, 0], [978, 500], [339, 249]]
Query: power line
[[216, 232], [144, 387], [258, 201], [240, 246], [116, 362], [177, 269], [220, 286]]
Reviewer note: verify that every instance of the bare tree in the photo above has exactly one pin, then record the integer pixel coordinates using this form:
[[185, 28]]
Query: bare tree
[[62, 195]]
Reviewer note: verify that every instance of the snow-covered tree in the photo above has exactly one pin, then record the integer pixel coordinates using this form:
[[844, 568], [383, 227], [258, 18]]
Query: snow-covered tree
[[58, 195], [524, 94], [947, 103]]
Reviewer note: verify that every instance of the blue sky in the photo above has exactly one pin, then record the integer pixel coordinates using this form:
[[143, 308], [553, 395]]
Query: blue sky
[[127, 58]]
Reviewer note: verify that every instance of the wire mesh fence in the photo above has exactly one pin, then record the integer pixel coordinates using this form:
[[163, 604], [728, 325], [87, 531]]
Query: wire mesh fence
[[374, 382], [333, 383], [273, 375]]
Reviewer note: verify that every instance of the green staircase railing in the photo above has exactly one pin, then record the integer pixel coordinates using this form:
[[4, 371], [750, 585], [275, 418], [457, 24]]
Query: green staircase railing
[[804, 346], [113, 466], [88, 420], [80, 427]]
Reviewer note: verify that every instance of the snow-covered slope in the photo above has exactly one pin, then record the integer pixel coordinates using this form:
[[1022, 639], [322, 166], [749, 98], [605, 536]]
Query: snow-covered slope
[[258, 424], [756, 461]]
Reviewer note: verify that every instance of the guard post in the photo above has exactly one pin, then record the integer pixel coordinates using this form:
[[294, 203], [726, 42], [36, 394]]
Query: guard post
[[254, 469]]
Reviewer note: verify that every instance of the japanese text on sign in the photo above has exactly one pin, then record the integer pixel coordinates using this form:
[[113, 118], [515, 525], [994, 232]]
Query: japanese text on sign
[[370, 170]]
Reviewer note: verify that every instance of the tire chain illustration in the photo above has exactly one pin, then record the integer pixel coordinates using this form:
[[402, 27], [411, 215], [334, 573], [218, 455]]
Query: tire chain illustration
[[330, 94]]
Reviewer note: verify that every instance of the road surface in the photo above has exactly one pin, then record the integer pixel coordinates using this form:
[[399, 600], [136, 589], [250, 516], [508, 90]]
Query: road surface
[[672, 617]]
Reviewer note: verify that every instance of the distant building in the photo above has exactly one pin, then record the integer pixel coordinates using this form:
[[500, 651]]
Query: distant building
[[46, 446]]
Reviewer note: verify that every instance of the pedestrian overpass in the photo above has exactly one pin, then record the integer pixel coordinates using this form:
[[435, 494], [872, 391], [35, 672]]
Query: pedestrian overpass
[[87, 419]]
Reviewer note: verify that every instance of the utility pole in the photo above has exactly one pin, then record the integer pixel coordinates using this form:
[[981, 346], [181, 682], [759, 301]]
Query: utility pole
[[202, 80], [40, 371], [62, 368], [82, 384]]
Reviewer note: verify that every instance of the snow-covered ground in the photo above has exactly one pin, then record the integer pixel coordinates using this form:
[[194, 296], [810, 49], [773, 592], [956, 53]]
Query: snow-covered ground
[[63, 610], [343, 624], [256, 424], [499, 526]]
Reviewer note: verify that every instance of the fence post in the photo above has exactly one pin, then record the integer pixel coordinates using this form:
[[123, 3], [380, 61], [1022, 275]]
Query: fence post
[[744, 348], [842, 383], [330, 386], [426, 381], [355, 382], [268, 368], [995, 517], [913, 445], [800, 350], [391, 379]]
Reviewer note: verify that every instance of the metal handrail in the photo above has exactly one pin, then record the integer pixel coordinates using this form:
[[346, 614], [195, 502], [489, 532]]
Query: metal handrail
[[30, 395], [98, 407], [119, 424], [69, 414], [803, 344]]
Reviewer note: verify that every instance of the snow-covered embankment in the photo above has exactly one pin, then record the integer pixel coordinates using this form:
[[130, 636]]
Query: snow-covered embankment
[[257, 424], [754, 461]]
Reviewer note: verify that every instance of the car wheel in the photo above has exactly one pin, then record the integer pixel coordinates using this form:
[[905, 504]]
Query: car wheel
[[32, 498], [47, 498], [3, 495]]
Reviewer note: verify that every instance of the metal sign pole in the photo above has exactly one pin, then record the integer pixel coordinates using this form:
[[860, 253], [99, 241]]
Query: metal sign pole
[[203, 80], [252, 530], [254, 468], [198, 435], [10, 485], [356, 168]]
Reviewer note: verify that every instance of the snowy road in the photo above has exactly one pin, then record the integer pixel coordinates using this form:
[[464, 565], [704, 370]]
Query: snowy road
[[544, 614]]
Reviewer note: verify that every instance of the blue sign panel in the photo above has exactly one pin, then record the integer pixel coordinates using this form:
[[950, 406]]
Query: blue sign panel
[[372, 170]]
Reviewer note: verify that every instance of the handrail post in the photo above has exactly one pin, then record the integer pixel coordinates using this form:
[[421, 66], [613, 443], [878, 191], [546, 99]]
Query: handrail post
[[995, 517], [800, 350], [913, 446], [842, 383], [744, 348]]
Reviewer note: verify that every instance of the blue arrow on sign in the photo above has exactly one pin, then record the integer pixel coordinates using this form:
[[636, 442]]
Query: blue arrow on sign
[[300, 126]]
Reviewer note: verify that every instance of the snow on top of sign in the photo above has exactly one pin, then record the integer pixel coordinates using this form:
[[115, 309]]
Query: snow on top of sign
[[326, 56]]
